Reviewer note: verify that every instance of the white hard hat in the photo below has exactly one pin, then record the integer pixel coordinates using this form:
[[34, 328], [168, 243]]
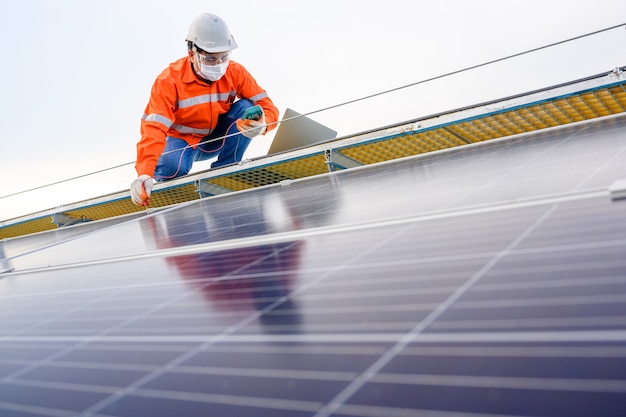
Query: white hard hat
[[210, 33]]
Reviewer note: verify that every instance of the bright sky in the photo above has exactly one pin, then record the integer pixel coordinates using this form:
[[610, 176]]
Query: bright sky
[[76, 75]]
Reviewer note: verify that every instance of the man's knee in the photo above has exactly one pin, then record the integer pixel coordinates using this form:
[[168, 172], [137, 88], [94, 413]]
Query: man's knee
[[169, 168], [175, 161]]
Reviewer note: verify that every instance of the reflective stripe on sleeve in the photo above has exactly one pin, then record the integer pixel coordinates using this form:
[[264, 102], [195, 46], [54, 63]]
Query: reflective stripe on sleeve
[[169, 125], [191, 130], [258, 97], [205, 98], [157, 118]]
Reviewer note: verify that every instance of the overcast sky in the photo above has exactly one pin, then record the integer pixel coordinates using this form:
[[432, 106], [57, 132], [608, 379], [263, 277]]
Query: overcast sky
[[76, 74]]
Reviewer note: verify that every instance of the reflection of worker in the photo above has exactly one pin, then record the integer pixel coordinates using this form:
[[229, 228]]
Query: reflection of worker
[[194, 103], [245, 279]]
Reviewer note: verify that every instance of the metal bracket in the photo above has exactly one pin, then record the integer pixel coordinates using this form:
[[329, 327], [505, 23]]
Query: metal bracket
[[62, 219], [337, 161], [206, 189], [617, 190]]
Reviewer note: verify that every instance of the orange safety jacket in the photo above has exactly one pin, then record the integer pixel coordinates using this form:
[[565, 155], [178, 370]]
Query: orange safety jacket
[[184, 106]]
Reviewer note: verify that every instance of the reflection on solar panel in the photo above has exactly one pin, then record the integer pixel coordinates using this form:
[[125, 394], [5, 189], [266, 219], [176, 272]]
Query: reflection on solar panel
[[587, 99], [481, 280]]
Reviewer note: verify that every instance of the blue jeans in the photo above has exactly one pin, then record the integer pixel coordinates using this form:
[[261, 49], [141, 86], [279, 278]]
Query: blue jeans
[[178, 157]]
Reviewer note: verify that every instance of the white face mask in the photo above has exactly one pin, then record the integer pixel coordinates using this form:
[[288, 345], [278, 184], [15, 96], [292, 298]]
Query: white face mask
[[213, 72]]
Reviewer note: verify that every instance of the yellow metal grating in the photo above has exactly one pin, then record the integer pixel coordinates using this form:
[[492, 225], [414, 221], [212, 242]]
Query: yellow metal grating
[[28, 227], [159, 198], [550, 113], [301, 167], [271, 174], [398, 147], [105, 210], [473, 131], [246, 179], [113, 208], [174, 195], [616, 98], [442, 138]]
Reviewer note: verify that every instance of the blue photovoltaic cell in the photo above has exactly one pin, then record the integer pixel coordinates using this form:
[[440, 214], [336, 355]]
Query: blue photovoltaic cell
[[483, 280]]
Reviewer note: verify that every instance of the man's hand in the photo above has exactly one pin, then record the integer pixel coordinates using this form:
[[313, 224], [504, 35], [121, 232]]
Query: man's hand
[[140, 190], [252, 123]]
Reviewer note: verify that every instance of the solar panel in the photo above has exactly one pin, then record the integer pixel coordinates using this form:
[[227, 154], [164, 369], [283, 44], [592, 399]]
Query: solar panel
[[482, 280]]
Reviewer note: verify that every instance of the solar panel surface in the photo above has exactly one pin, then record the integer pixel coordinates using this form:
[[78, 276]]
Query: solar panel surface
[[484, 280]]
